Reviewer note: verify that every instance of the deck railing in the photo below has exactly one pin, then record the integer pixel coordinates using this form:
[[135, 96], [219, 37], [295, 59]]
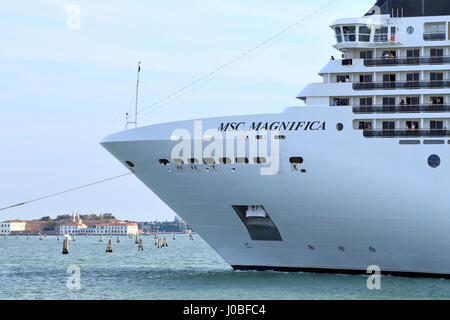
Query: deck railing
[[383, 62], [413, 133], [390, 85], [406, 108]]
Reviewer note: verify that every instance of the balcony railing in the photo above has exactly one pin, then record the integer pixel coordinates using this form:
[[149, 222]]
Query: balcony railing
[[413, 133], [407, 108], [435, 84], [434, 36], [382, 62]]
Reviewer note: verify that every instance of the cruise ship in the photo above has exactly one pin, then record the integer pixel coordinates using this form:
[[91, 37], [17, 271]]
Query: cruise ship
[[359, 176]]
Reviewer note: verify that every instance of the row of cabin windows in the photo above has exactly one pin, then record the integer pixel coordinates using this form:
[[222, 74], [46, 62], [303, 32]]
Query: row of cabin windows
[[390, 125], [413, 53], [211, 161], [410, 77], [388, 101], [240, 160]]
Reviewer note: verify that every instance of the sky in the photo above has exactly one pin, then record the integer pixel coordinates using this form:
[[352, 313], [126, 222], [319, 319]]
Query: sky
[[65, 83]]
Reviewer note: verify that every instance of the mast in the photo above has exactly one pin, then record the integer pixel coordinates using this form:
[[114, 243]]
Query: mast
[[135, 122], [137, 96]]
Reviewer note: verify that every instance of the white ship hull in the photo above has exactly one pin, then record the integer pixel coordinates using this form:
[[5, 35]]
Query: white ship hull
[[361, 201]]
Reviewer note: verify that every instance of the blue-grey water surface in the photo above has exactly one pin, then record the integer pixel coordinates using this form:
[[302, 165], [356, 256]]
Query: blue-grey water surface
[[34, 269]]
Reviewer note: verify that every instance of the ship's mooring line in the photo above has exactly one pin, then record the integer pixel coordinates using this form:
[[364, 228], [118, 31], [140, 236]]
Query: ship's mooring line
[[65, 191], [237, 58]]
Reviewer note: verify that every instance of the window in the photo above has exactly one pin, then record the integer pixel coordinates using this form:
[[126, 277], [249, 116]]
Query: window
[[412, 125], [388, 77], [436, 100], [414, 53], [366, 55], [388, 125], [341, 102], [412, 77], [412, 100], [389, 54], [436, 125], [367, 78], [365, 102], [381, 34], [342, 78], [434, 31], [365, 125], [436, 76], [338, 34], [349, 33], [393, 33], [436, 52], [364, 34], [388, 101]]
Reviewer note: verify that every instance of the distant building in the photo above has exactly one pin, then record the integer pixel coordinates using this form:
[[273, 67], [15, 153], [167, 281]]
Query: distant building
[[75, 226], [13, 226], [113, 227]]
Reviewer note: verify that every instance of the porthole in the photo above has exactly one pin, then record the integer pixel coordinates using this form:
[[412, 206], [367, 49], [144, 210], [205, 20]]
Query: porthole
[[340, 126], [310, 247], [372, 249], [164, 162], [130, 164], [193, 161], [209, 161], [242, 160], [434, 161], [233, 169], [225, 161], [280, 137], [341, 248], [297, 160], [260, 160], [410, 30], [178, 161]]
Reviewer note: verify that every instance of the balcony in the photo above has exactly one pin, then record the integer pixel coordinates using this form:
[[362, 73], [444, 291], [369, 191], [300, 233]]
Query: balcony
[[435, 84], [383, 62], [411, 108], [421, 133]]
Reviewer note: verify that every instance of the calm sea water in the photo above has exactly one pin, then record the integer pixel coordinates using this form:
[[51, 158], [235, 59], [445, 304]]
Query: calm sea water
[[34, 269]]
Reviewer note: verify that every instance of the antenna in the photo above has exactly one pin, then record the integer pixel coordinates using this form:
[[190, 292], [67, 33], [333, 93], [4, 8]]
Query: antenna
[[135, 122]]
